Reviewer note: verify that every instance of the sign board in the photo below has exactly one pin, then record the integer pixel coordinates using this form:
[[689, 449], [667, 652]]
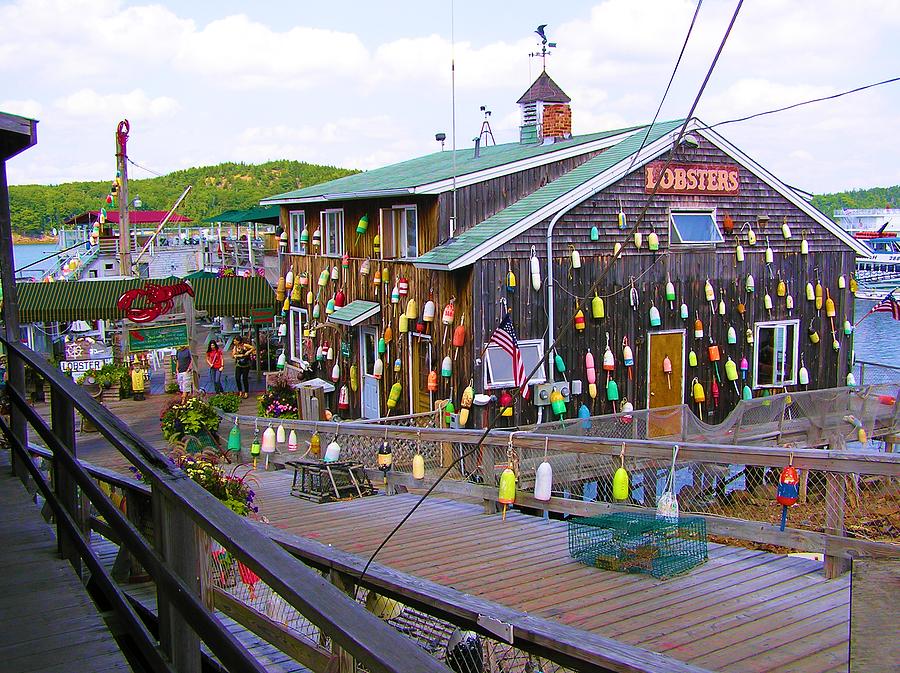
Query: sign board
[[262, 316], [87, 349], [704, 179], [154, 338], [81, 366]]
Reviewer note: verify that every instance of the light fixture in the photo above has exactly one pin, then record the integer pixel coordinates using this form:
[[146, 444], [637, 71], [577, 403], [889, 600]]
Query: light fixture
[[136, 202], [440, 137]]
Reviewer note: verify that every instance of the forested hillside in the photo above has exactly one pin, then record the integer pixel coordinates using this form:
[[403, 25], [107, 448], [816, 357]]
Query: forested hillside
[[876, 197], [39, 208]]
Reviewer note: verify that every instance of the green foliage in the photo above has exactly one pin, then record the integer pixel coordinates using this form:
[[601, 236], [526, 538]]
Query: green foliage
[[876, 197], [107, 375], [235, 492], [188, 418], [227, 402], [38, 208]]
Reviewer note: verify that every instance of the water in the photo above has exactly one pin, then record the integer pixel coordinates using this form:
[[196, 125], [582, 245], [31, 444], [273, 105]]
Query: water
[[26, 254], [877, 338]]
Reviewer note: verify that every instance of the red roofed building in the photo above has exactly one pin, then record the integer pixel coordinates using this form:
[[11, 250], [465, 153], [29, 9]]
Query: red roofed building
[[148, 218]]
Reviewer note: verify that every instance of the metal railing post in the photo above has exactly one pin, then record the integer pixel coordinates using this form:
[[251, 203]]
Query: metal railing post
[[178, 541]]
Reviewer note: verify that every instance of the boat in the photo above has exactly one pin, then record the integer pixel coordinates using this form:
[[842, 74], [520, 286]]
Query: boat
[[878, 273]]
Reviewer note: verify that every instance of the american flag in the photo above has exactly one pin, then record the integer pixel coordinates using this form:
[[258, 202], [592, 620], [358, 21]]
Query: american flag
[[505, 337], [888, 305]]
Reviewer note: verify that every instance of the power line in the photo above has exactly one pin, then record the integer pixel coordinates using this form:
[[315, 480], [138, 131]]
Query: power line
[[143, 168], [668, 86], [568, 324], [806, 102]]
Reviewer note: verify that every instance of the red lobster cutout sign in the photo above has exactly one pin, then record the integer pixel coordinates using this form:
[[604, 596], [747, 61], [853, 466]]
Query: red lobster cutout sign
[[158, 296]]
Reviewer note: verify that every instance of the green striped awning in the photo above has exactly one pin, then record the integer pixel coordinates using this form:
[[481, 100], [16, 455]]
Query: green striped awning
[[232, 295], [66, 301]]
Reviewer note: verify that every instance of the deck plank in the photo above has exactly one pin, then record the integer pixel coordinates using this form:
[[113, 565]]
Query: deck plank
[[47, 620]]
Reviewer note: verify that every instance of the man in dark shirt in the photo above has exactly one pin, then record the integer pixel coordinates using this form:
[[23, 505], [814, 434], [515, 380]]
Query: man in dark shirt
[[184, 367]]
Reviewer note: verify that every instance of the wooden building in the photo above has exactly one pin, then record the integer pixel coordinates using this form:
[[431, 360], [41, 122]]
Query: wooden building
[[548, 197]]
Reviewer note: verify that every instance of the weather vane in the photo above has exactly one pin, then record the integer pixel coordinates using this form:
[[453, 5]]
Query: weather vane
[[545, 46]]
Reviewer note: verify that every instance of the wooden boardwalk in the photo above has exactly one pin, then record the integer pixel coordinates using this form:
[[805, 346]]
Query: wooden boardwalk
[[742, 611], [48, 623]]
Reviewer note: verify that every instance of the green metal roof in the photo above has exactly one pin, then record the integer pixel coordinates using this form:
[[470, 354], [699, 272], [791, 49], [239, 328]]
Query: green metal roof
[[435, 167], [354, 313], [254, 214], [485, 231]]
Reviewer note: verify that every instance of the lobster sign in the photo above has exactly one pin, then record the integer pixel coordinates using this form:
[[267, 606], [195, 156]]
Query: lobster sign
[[159, 297]]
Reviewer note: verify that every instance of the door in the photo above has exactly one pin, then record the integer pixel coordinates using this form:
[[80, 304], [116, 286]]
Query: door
[[420, 366], [371, 386], [665, 390]]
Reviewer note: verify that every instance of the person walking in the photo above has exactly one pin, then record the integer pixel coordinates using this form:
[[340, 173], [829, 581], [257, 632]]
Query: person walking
[[216, 362], [242, 351], [184, 369]]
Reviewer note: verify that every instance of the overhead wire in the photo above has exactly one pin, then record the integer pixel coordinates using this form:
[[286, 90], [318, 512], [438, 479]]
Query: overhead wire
[[568, 324]]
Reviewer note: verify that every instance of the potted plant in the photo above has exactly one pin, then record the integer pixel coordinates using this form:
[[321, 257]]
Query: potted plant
[[191, 417], [279, 400], [227, 402]]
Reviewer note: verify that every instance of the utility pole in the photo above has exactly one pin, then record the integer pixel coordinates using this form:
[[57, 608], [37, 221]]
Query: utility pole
[[122, 167]]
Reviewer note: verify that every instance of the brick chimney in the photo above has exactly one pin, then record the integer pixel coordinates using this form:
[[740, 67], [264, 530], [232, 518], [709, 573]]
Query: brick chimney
[[546, 115]]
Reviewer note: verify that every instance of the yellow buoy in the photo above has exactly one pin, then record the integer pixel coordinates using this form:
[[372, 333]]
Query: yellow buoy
[[507, 492]]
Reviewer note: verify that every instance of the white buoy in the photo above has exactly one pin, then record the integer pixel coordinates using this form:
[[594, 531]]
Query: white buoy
[[543, 482], [332, 452]]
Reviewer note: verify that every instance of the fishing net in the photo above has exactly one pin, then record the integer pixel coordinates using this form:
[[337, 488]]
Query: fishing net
[[639, 543]]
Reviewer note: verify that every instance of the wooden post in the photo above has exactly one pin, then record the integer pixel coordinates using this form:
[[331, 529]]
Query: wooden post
[[62, 419], [178, 541], [122, 166], [835, 499], [345, 663], [15, 368], [488, 474]]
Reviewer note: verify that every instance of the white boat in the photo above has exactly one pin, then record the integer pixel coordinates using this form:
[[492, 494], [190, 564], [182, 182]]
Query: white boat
[[879, 273]]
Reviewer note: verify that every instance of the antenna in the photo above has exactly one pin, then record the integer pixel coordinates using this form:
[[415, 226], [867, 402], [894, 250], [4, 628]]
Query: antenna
[[546, 46], [486, 127]]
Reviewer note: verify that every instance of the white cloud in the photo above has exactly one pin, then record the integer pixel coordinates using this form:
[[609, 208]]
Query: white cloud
[[24, 108], [135, 104]]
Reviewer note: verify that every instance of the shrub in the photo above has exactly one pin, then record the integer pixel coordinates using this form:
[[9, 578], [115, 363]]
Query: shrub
[[279, 400], [227, 402], [192, 417]]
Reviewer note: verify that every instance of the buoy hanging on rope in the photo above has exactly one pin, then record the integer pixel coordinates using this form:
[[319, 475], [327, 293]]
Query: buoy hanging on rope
[[699, 395], [292, 441], [770, 254], [598, 310], [745, 367], [535, 271], [692, 358], [394, 395], [459, 336], [653, 242], [280, 434], [332, 452], [788, 489], [785, 229], [268, 444], [378, 368], [595, 233], [234, 438], [655, 318], [732, 335], [683, 312], [432, 381], [620, 479], [344, 399], [510, 276], [362, 226], [698, 328], [591, 374], [628, 357], [543, 481], [579, 320], [731, 373], [576, 258], [714, 356], [612, 393], [465, 404], [447, 318], [447, 367], [622, 219], [507, 491], [667, 370], [670, 292], [506, 404], [557, 402], [739, 253]]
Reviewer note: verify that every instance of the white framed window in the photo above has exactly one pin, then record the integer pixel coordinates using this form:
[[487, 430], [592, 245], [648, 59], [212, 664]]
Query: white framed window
[[332, 223], [693, 227], [775, 353], [296, 223], [498, 371], [297, 317], [399, 232]]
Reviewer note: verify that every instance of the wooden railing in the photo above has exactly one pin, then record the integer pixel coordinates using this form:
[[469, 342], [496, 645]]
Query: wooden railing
[[184, 517], [577, 460]]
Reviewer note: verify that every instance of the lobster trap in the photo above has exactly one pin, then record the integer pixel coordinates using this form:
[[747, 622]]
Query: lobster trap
[[639, 543]]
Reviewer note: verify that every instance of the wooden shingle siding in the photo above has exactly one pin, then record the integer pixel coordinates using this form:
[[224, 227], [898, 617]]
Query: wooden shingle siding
[[688, 269]]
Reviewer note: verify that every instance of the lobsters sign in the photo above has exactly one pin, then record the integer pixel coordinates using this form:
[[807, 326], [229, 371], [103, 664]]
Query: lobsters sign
[[710, 179]]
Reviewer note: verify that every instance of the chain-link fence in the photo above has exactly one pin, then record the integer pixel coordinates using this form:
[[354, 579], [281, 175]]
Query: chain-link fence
[[867, 373]]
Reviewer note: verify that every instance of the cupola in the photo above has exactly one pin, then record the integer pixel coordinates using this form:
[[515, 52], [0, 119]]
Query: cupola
[[546, 115]]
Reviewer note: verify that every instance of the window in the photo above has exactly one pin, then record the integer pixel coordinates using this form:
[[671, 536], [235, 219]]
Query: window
[[332, 223], [295, 328], [775, 354], [693, 228], [296, 223], [399, 232], [498, 364]]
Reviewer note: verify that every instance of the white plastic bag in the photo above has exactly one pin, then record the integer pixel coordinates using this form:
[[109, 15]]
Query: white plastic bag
[[667, 505]]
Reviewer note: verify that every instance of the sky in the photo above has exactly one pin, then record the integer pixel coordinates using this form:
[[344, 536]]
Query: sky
[[365, 84]]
